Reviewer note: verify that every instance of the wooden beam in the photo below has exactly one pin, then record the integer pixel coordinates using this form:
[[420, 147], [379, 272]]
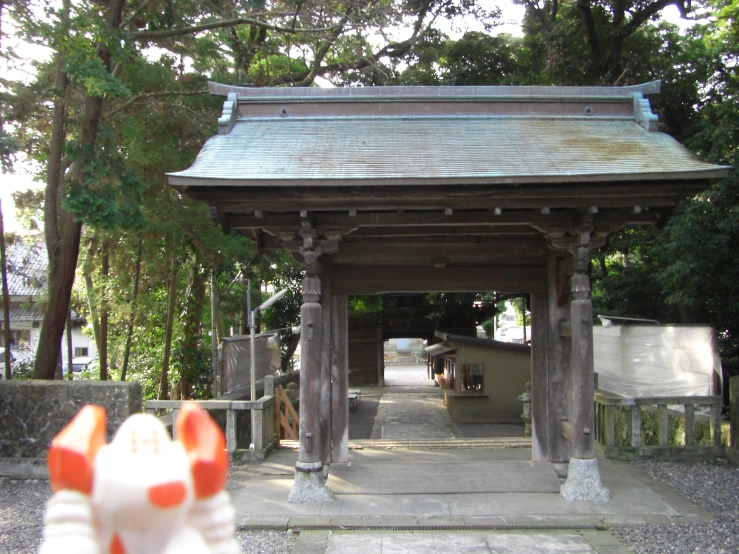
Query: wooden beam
[[375, 280], [445, 231], [452, 196], [481, 220]]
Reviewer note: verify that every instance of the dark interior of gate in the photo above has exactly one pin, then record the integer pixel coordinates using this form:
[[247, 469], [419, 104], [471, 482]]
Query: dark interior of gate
[[417, 189]]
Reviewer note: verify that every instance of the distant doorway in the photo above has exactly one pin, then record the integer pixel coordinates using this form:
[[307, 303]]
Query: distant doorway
[[405, 363]]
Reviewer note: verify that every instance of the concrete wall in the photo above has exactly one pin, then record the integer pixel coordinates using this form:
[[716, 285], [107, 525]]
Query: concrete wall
[[33, 412], [506, 371]]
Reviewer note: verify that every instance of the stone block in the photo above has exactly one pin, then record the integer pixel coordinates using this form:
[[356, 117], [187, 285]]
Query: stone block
[[33, 412], [583, 482]]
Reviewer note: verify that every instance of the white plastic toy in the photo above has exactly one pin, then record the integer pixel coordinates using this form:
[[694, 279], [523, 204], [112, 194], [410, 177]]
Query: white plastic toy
[[143, 493]]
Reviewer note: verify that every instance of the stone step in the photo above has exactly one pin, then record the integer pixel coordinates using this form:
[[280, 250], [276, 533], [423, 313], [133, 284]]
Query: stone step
[[431, 444]]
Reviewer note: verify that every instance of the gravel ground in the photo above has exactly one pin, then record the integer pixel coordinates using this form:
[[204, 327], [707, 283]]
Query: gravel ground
[[22, 509], [712, 486]]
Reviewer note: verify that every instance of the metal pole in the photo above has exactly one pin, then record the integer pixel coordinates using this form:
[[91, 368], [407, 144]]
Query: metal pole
[[214, 335], [252, 378]]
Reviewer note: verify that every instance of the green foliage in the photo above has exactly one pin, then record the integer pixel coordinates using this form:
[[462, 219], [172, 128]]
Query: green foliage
[[365, 304], [623, 277], [109, 197], [22, 370]]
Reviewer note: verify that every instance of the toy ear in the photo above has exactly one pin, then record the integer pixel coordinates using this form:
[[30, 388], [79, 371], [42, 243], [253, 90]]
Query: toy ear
[[205, 446], [71, 456]]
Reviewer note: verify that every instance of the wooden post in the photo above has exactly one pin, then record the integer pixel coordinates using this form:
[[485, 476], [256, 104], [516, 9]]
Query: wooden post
[[310, 482], [583, 385], [325, 393], [583, 476], [339, 379], [311, 346], [558, 356], [540, 420]]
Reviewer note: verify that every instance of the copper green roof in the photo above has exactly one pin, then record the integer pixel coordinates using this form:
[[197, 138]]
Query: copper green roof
[[439, 136]]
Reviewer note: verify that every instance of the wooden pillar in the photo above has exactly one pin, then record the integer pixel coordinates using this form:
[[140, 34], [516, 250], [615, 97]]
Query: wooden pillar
[[583, 386], [339, 379], [583, 476], [325, 389], [315, 399], [311, 347], [558, 355], [540, 421]]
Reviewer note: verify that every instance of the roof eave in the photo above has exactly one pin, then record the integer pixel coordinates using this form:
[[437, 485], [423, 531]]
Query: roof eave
[[708, 175]]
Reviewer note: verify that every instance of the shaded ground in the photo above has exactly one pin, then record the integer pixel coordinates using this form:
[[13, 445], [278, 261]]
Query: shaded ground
[[412, 406]]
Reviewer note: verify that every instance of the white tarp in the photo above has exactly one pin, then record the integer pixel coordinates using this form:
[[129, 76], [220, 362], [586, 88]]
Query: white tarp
[[235, 361], [656, 360]]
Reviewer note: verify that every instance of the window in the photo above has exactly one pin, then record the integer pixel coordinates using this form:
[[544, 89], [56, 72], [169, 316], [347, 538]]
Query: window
[[472, 377], [80, 351]]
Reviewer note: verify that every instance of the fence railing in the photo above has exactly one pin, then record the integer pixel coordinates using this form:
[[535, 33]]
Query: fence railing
[[263, 438], [609, 407]]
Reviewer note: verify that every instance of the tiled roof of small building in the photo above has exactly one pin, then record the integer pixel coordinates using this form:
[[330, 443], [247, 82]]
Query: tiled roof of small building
[[27, 268]]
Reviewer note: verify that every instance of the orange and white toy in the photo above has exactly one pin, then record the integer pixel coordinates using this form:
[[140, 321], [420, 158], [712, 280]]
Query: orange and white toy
[[143, 493]]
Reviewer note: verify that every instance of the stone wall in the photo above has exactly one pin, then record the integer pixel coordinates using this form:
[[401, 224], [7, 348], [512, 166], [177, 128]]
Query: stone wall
[[33, 412]]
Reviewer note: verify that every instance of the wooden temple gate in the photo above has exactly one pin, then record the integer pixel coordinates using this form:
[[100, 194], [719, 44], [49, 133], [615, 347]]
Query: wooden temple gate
[[444, 189]]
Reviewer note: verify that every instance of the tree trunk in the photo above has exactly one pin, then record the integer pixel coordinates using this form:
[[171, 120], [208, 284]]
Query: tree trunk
[[62, 230], [132, 317], [6, 297], [292, 346], [92, 302], [192, 336], [172, 296], [105, 273], [220, 332]]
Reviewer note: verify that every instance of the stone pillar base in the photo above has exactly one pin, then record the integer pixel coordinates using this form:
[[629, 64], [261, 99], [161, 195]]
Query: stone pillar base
[[309, 485], [583, 482]]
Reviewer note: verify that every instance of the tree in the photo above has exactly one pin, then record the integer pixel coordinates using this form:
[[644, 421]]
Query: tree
[[590, 42], [96, 44]]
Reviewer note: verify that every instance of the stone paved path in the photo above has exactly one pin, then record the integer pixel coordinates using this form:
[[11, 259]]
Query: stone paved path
[[457, 542], [412, 416]]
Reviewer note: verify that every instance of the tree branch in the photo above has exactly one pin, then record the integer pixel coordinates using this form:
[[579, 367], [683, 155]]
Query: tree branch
[[590, 31], [170, 33], [640, 17], [115, 111], [391, 50], [321, 54]]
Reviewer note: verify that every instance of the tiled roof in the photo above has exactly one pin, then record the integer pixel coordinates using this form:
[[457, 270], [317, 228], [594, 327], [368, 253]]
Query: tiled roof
[[27, 268], [414, 151], [26, 312], [439, 136]]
